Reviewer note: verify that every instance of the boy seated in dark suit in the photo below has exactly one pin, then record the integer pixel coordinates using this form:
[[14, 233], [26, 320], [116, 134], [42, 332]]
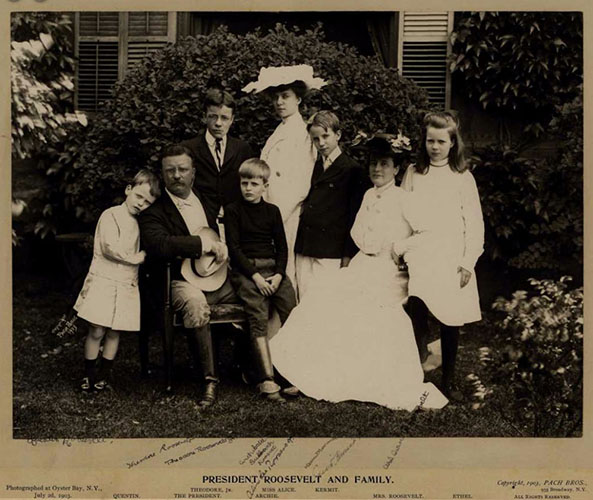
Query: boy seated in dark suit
[[259, 253], [338, 184]]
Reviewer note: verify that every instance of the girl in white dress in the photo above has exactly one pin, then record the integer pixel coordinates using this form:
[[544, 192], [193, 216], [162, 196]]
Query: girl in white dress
[[349, 338], [444, 211], [289, 151], [109, 299]]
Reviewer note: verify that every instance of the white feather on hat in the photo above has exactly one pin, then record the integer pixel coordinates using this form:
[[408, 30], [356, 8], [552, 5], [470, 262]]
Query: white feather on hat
[[275, 76]]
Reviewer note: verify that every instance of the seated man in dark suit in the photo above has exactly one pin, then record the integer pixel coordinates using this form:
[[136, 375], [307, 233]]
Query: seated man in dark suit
[[217, 155], [170, 230]]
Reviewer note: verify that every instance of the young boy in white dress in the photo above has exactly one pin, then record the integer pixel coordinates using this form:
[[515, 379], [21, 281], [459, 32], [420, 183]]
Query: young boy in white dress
[[109, 299]]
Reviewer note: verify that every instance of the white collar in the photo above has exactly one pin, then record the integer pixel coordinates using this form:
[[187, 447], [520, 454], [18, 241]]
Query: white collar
[[180, 202], [122, 210], [382, 189], [293, 119], [332, 156], [211, 140]]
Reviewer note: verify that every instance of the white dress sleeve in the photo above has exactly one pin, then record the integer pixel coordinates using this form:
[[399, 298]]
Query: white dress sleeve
[[112, 243], [412, 239], [359, 231], [291, 156], [471, 211], [303, 158]]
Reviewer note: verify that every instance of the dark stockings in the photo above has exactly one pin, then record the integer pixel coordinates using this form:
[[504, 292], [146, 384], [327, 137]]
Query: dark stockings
[[418, 313]]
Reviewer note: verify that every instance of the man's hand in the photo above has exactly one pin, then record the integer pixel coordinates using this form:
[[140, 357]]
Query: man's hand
[[274, 282], [465, 276], [262, 284], [394, 253], [206, 243], [220, 250]]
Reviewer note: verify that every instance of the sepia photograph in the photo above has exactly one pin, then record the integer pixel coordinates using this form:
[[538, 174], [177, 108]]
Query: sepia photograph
[[243, 228]]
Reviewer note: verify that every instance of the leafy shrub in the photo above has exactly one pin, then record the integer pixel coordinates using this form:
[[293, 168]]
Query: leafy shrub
[[41, 81], [25, 26], [520, 61], [533, 208], [160, 102], [541, 368]]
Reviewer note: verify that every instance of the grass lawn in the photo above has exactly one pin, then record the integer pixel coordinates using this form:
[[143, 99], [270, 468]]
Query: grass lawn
[[48, 404]]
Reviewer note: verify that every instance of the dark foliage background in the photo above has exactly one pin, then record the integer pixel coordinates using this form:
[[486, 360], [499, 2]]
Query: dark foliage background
[[161, 102], [520, 62], [527, 67], [533, 207]]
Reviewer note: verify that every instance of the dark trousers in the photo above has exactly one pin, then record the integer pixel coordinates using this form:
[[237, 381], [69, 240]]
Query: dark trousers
[[257, 306], [418, 312]]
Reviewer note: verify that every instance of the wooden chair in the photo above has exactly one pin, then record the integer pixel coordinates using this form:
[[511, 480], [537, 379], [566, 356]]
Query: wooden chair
[[219, 314], [76, 249]]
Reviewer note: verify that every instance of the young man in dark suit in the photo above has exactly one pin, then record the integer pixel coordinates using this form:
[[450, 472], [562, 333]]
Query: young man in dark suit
[[217, 155], [338, 184]]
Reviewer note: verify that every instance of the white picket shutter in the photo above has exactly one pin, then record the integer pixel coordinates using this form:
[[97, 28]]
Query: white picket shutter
[[109, 44], [423, 51]]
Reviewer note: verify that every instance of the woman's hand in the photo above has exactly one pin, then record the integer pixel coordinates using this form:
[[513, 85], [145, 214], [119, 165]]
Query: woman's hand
[[262, 284], [465, 276]]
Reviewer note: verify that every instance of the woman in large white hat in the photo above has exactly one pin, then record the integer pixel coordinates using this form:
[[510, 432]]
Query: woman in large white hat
[[288, 151]]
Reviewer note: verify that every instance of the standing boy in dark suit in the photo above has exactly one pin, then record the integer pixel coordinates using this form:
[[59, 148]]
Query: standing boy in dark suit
[[338, 183], [217, 155]]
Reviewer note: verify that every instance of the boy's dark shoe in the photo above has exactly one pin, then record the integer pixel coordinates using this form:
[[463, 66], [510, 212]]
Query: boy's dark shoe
[[86, 385], [209, 395]]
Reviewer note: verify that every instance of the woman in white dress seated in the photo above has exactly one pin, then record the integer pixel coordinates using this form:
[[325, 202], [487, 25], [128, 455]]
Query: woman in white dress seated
[[349, 338]]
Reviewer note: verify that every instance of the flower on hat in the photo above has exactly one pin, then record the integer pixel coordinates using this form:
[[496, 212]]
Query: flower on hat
[[398, 143], [361, 137], [274, 76]]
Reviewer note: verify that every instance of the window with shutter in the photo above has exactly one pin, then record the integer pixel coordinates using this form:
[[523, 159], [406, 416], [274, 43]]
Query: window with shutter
[[147, 33], [109, 44], [97, 51], [423, 52]]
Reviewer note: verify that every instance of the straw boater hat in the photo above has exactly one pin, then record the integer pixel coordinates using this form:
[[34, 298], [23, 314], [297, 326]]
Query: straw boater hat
[[205, 273], [274, 76]]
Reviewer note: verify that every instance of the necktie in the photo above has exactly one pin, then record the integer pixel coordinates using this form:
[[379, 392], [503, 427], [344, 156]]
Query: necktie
[[218, 150]]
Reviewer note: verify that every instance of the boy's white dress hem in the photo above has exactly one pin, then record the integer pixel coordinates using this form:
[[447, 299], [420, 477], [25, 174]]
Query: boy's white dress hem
[[110, 295]]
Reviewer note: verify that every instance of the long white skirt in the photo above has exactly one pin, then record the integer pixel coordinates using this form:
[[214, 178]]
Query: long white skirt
[[350, 339]]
